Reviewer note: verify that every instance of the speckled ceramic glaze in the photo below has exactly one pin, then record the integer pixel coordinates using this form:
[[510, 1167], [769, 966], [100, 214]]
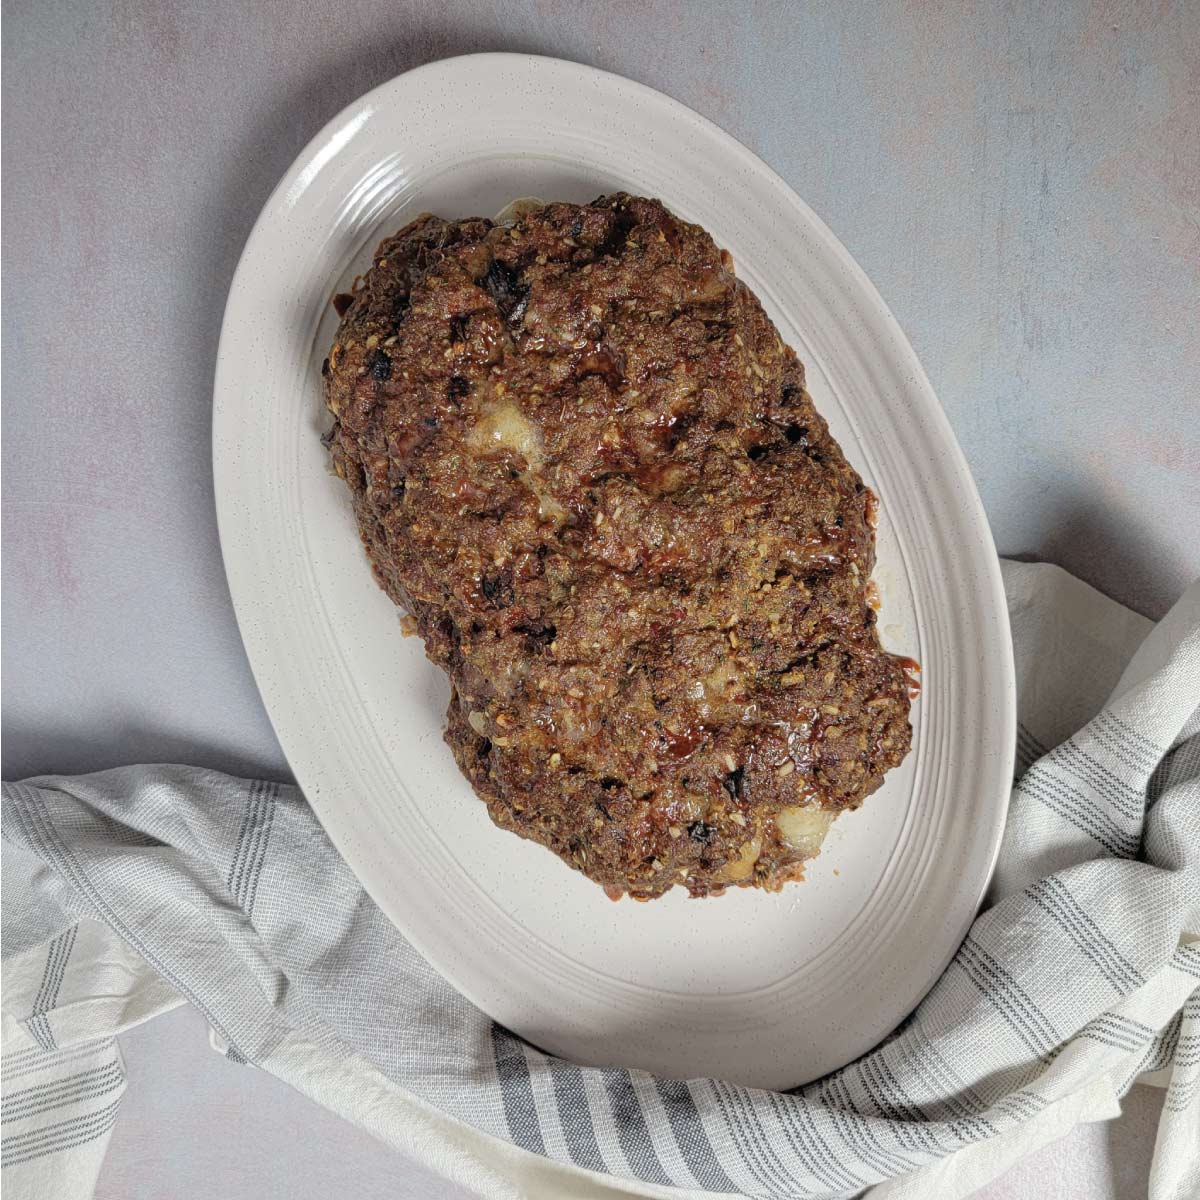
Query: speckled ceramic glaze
[[770, 990]]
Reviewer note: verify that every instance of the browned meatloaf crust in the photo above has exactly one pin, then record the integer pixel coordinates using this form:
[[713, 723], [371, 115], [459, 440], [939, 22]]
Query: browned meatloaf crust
[[585, 463]]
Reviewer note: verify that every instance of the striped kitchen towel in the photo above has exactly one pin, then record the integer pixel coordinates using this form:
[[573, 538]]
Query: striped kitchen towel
[[134, 890]]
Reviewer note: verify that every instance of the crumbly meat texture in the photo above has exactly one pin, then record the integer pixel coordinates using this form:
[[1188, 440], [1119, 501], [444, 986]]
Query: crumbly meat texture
[[583, 460]]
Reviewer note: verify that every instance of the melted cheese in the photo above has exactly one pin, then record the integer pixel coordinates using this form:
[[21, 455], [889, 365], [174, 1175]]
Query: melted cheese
[[503, 427], [804, 828], [742, 867], [549, 509]]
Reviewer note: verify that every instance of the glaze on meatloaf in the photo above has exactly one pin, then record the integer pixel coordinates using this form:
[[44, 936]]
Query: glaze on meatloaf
[[584, 462]]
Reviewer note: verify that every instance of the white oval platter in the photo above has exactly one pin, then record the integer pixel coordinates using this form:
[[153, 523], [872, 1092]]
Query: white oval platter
[[769, 990]]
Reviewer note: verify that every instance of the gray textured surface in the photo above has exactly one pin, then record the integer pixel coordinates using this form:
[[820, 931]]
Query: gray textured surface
[[1021, 181]]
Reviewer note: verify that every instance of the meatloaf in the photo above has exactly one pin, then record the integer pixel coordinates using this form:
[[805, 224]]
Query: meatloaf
[[585, 464]]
